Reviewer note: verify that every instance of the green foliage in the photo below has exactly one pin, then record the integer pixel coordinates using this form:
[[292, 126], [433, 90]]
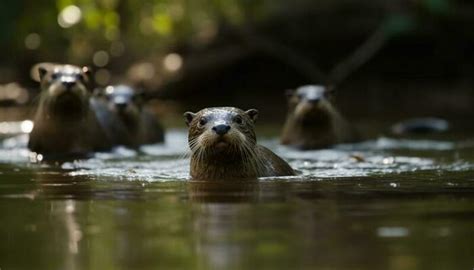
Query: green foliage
[[399, 24], [143, 26], [438, 6], [151, 27]]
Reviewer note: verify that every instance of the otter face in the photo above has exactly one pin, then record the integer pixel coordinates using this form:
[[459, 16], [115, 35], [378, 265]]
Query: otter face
[[64, 89], [221, 130], [310, 101], [124, 101]]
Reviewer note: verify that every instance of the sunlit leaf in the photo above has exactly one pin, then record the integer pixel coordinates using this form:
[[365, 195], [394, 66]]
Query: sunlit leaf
[[92, 18], [111, 18], [162, 24]]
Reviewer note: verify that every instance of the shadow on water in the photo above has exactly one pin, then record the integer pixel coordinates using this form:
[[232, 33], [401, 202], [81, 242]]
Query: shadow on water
[[382, 204]]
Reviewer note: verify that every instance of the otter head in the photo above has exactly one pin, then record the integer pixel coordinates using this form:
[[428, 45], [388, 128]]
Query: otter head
[[224, 130], [124, 101], [65, 93], [309, 104]]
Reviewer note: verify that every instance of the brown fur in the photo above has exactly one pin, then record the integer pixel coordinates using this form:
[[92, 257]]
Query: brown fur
[[66, 121], [128, 105], [233, 155], [313, 122]]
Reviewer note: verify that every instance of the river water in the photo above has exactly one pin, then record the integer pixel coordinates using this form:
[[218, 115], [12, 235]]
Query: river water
[[386, 203]]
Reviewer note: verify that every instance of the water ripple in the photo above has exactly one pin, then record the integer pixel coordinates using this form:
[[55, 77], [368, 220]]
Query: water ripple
[[163, 162]]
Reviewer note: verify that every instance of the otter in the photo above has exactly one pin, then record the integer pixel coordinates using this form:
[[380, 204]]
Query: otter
[[224, 146], [425, 126], [313, 122], [68, 121], [128, 104]]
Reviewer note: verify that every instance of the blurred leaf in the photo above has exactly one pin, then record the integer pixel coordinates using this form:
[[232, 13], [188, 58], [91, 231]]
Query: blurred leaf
[[92, 18], [64, 3], [162, 24], [399, 24], [111, 19], [438, 6]]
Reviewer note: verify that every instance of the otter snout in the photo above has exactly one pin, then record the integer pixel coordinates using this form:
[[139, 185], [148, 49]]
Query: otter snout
[[120, 102], [121, 106], [69, 84], [314, 100], [221, 129]]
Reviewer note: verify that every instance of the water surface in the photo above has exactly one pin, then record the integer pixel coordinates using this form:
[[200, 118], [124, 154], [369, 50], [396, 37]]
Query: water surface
[[381, 204]]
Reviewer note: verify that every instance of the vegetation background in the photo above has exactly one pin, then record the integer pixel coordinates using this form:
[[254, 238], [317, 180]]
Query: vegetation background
[[392, 59]]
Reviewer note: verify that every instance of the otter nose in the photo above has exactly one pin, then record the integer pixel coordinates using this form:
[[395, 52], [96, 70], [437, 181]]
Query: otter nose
[[314, 100], [221, 129], [120, 102], [121, 105], [69, 84]]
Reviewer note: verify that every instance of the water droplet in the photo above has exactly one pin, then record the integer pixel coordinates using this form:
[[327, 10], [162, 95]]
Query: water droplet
[[388, 160]]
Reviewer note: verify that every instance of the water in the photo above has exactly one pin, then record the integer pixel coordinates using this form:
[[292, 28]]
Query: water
[[381, 204]]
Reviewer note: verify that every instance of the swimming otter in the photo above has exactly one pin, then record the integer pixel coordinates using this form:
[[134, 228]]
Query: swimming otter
[[68, 122], [312, 120], [425, 126], [224, 146], [127, 104]]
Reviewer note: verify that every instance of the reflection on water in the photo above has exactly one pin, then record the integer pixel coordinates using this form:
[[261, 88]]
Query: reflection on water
[[165, 162], [381, 204]]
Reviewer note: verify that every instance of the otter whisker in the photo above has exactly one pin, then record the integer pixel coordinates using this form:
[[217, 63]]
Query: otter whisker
[[223, 145], [261, 168], [192, 148], [249, 157], [313, 122]]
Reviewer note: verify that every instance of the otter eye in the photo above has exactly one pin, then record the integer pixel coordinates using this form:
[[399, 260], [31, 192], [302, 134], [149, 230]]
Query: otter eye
[[54, 76], [79, 77], [238, 119], [202, 121]]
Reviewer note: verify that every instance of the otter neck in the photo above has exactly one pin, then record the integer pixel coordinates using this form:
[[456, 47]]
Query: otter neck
[[312, 122], [321, 118], [223, 166], [130, 121], [64, 111], [301, 133]]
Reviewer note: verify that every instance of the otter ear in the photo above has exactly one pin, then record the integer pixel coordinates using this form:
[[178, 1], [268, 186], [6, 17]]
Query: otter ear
[[330, 91], [188, 117], [42, 71], [252, 113], [140, 96], [330, 88], [289, 93]]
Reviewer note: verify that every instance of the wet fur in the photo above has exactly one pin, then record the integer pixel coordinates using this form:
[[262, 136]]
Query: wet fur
[[241, 158], [314, 126], [67, 122], [141, 126]]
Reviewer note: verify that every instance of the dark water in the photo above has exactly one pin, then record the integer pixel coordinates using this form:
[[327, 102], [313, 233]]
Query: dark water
[[381, 204]]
